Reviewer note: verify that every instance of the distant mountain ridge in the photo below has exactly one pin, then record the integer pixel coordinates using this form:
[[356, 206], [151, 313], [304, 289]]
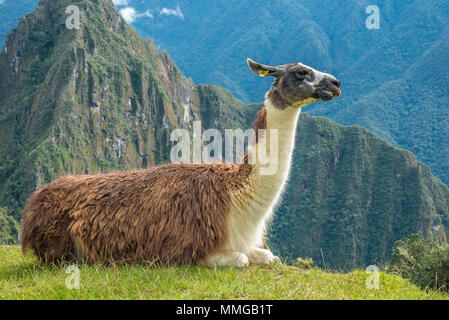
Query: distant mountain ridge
[[101, 98], [386, 88], [351, 195]]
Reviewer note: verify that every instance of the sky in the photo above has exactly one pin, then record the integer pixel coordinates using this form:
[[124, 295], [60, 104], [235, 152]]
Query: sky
[[130, 14]]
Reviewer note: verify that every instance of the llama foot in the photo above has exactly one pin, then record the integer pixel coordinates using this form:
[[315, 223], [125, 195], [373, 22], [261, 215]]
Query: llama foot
[[262, 256], [228, 259]]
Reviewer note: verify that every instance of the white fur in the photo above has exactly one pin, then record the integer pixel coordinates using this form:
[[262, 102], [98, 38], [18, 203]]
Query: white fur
[[262, 256], [318, 75], [249, 216], [223, 259]]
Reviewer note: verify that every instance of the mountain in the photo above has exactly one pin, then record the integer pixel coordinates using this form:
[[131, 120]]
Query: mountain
[[351, 195], [394, 79], [87, 100], [398, 88], [101, 98]]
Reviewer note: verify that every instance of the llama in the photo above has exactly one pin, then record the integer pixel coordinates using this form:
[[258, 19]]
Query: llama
[[203, 214]]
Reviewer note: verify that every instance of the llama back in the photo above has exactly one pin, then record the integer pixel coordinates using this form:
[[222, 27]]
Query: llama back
[[173, 214]]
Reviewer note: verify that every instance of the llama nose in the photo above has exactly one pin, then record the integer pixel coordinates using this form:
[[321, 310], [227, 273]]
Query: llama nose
[[336, 82]]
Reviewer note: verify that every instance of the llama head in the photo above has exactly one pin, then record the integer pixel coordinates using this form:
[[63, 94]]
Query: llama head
[[296, 84]]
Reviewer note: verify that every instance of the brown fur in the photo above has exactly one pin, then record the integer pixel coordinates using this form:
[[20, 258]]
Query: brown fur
[[172, 214], [259, 124]]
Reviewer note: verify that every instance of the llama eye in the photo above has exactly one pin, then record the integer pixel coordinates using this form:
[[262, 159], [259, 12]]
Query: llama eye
[[301, 74]]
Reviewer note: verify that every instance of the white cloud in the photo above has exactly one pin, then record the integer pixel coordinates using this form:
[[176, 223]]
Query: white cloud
[[1, 1], [130, 14], [117, 2], [172, 12], [145, 14]]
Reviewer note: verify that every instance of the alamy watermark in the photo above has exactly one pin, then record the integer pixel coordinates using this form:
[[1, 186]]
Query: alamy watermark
[[373, 280], [207, 147], [73, 20], [373, 20], [72, 282]]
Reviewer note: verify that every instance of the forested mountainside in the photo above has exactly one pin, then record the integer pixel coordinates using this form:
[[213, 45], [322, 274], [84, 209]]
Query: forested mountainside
[[394, 79], [87, 100], [101, 98], [351, 195]]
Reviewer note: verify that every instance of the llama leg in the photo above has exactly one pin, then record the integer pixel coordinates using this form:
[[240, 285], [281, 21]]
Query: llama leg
[[78, 253], [225, 259], [262, 256]]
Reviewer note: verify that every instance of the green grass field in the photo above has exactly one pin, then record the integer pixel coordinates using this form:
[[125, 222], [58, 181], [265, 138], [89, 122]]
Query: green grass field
[[22, 277]]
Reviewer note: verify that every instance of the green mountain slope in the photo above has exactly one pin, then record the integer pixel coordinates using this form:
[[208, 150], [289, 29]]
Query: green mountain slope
[[423, 126], [8, 227], [398, 88], [374, 65], [101, 98], [351, 195], [86, 100]]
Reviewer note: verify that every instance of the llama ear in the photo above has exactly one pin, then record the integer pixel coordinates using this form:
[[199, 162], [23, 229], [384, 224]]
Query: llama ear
[[263, 70]]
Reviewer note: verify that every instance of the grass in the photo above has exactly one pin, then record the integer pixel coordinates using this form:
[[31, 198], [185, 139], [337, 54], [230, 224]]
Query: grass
[[22, 277]]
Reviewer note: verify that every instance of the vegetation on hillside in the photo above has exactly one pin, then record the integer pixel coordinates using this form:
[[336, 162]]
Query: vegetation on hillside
[[392, 84], [9, 228], [351, 195], [83, 101], [21, 277], [424, 262]]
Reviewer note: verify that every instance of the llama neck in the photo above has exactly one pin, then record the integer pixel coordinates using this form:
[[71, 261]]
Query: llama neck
[[271, 178], [253, 204]]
